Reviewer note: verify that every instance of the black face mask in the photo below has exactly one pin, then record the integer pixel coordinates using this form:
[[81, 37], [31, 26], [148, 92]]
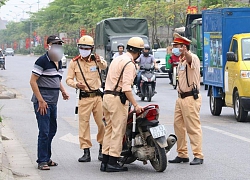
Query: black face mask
[[146, 54], [138, 55]]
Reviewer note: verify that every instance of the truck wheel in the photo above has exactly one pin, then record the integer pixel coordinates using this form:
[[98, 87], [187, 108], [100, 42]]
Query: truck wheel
[[239, 112], [215, 104]]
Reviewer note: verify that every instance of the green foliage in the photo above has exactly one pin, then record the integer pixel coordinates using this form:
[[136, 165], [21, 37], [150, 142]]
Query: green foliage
[[71, 15], [1, 118], [70, 50], [211, 4], [23, 51], [39, 50]]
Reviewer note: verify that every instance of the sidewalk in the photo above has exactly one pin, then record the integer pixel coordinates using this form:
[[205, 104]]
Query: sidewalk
[[15, 163]]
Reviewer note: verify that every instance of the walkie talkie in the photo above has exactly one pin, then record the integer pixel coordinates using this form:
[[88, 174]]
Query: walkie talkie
[[195, 92]]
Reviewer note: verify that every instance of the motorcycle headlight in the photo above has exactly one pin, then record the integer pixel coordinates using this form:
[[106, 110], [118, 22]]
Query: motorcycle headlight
[[144, 78], [245, 74]]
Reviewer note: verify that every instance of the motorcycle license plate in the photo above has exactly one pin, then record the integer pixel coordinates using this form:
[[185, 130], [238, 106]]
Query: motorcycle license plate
[[158, 131]]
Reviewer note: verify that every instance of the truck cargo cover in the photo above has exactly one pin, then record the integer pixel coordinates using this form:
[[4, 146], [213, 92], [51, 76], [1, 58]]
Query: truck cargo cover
[[119, 27]]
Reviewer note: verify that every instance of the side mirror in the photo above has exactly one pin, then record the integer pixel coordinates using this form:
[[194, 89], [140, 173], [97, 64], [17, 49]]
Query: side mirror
[[108, 47], [156, 46], [158, 61], [231, 57]]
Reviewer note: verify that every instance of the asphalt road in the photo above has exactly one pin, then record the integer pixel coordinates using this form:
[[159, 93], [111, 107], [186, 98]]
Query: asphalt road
[[226, 143]]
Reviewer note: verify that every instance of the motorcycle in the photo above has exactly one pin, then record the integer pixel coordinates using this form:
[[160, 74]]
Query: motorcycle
[[148, 82], [175, 75], [145, 139], [2, 62]]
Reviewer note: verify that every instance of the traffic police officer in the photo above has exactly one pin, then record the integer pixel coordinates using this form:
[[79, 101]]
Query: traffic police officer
[[187, 108], [85, 69], [115, 105]]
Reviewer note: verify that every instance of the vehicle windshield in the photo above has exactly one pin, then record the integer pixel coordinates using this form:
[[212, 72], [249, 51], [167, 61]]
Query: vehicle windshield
[[245, 49], [123, 40], [160, 54], [9, 49], [200, 27]]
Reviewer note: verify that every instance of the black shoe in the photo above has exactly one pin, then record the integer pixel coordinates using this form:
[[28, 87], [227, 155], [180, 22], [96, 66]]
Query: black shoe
[[103, 167], [196, 161], [100, 156], [179, 160], [115, 168], [86, 156]]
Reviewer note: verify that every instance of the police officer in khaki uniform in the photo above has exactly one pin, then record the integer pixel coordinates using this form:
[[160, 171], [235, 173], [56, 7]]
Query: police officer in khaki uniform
[[115, 106], [187, 108], [84, 68]]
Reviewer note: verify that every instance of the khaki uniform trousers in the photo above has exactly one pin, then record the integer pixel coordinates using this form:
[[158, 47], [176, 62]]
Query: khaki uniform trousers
[[85, 107], [187, 120], [116, 115]]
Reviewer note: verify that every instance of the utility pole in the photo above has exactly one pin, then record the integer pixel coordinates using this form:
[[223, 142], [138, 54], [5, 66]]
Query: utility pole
[[189, 2], [30, 31]]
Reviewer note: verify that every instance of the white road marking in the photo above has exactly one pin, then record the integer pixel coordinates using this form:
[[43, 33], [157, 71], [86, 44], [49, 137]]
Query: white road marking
[[227, 133], [74, 139]]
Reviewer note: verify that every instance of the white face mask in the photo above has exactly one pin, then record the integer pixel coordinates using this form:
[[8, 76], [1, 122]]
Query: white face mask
[[84, 53], [57, 52]]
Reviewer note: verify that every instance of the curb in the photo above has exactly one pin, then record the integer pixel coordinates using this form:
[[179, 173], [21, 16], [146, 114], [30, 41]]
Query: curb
[[5, 172], [6, 94], [16, 163]]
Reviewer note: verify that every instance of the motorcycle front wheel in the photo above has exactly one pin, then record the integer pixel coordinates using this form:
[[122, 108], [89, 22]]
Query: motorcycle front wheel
[[149, 93], [159, 162]]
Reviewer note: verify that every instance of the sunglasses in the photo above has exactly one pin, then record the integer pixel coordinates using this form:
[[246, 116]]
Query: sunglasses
[[57, 43]]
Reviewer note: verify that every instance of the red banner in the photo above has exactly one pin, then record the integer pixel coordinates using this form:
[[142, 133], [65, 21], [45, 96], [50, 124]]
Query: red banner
[[27, 43], [45, 42], [192, 10], [82, 32], [15, 45]]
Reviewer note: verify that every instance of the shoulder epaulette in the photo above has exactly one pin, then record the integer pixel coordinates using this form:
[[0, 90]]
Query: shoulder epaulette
[[77, 57]]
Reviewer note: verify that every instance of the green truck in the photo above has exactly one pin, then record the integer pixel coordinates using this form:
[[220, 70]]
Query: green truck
[[112, 31]]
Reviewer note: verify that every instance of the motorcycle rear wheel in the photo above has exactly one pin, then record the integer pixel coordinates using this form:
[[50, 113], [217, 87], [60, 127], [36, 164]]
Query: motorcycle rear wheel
[[159, 163]]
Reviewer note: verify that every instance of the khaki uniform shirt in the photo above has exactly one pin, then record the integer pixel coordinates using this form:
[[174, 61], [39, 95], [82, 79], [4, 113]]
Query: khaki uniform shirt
[[193, 72], [89, 70], [114, 72]]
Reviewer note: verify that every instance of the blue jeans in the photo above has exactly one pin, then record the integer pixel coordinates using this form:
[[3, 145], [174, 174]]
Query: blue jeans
[[139, 80], [47, 126]]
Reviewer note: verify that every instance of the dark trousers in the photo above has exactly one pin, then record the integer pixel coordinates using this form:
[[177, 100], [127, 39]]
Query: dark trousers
[[170, 74], [47, 126], [139, 80]]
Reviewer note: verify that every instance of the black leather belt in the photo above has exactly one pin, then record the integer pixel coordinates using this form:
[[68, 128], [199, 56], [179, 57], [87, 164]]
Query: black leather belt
[[84, 94], [186, 94], [115, 93]]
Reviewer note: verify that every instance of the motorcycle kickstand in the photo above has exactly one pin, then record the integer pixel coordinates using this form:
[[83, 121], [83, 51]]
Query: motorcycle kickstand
[[126, 158]]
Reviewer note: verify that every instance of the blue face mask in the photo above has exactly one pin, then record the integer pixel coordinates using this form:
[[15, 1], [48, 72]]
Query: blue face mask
[[176, 51]]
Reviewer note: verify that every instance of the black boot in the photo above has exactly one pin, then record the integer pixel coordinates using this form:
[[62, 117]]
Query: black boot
[[104, 163], [113, 166], [100, 157], [86, 156]]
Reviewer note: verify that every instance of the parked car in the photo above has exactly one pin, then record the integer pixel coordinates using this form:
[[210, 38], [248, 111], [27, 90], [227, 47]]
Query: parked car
[[9, 51], [160, 55], [64, 61]]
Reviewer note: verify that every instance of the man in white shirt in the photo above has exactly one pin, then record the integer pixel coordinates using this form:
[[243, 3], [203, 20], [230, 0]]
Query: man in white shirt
[[120, 48]]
